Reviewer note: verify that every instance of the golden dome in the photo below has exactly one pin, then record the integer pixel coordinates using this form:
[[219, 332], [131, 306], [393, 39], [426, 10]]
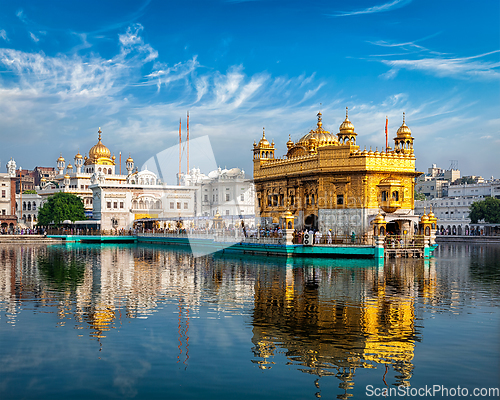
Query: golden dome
[[322, 137], [43, 179], [290, 143], [99, 150], [424, 218], [379, 219], [66, 176], [78, 156], [346, 127], [129, 159], [403, 130], [113, 158], [263, 142], [69, 166], [60, 159]]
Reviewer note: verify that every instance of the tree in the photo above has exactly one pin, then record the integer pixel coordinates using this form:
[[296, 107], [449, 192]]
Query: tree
[[419, 196], [61, 207], [29, 191], [487, 210]]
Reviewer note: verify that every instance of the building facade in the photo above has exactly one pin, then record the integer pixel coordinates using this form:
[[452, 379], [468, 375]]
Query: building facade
[[8, 219], [435, 183], [76, 179], [453, 211], [226, 191], [328, 182]]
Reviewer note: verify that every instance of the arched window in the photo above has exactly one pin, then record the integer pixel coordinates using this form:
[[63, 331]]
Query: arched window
[[24, 205], [384, 195], [395, 195], [158, 204], [29, 206], [99, 169], [147, 204], [34, 206], [109, 171], [382, 231], [141, 204], [134, 204]]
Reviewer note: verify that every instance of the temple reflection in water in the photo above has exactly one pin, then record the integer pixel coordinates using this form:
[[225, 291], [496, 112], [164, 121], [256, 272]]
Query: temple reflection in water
[[327, 318]]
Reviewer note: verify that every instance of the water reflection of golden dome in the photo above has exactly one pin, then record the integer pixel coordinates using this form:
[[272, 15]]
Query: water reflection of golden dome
[[99, 150], [403, 130]]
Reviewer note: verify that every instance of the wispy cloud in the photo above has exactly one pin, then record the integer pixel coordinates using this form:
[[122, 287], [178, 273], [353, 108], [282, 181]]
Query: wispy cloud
[[453, 67], [34, 38], [20, 14], [375, 9], [3, 34]]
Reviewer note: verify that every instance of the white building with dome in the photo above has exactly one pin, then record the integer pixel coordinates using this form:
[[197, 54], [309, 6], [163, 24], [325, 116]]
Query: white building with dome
[[113, 200]]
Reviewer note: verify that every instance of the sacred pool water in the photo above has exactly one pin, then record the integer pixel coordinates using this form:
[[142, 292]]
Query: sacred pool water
[[153, 322]]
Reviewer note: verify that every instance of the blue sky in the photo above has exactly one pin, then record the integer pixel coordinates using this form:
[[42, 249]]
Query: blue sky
[[135, 67]]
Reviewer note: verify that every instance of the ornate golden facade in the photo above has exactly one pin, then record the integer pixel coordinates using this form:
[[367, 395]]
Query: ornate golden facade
[[328, 182]]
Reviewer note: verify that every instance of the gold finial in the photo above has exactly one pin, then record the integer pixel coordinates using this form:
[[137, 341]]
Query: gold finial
[[320, 123], [263, 133], [403, 117], [99, 132], [346, 113]]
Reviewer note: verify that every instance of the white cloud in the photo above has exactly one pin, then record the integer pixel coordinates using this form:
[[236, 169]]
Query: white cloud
[[34, 38], [375, 9], [458, 67], [3, 34]]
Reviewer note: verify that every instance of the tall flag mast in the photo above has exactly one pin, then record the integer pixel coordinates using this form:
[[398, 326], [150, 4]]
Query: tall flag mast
[[180, 154], [187, 143], [386, 123]]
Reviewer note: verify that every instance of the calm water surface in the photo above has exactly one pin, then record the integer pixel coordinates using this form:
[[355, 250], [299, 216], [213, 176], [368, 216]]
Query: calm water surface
[[151, 322]]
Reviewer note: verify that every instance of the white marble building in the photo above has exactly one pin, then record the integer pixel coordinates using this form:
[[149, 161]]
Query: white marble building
[[226, 191]]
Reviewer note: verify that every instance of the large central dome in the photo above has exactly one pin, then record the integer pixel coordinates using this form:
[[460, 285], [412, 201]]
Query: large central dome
[[323, 138], [99, 150]]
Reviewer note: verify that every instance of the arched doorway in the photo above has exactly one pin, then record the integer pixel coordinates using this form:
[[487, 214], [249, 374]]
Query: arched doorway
[[392, 228]]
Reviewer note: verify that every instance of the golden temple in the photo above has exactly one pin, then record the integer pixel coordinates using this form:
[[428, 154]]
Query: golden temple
[[328, 182]]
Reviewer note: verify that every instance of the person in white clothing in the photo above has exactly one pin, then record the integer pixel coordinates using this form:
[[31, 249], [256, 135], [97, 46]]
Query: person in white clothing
[[329, 233]]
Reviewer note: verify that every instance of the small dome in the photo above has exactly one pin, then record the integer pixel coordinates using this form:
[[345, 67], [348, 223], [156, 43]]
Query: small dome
[[404, 131], [424, 218], [379, 219], [113, 158], [290, 143], [78, 156], [130, 159], [66, 176], [60, 159], [43, 179], [346, 127], [69, 166]]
